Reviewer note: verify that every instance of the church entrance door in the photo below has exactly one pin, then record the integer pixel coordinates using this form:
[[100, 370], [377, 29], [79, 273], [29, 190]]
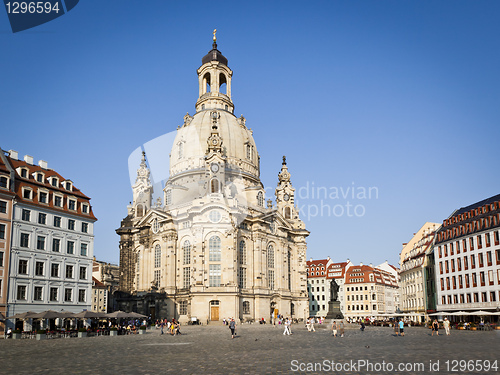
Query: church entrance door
[[214, 313], [214, 310]]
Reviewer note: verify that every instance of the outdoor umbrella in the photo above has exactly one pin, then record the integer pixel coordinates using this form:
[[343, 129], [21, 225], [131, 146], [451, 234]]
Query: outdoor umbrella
[[480, 312], [136, 315], [439, 313], [86, 315], [118, 314], [24, 315], [49, 314]]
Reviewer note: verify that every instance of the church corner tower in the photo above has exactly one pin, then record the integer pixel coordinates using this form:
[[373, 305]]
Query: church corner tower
[[212, 249]]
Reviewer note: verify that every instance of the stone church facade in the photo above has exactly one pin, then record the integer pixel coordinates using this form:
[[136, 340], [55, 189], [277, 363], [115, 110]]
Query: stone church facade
[[213, 248]]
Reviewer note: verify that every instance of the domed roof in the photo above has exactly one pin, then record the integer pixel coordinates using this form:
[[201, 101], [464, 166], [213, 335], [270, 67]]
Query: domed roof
[[214, 55], [190, 145]]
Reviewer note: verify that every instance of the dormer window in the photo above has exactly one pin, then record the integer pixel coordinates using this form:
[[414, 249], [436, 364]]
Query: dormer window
[[58, 200], [68, 185], [72, 204], [24, 173], [4, 182], [54, 181], [39, 177], [43, 197], [85, 208], [27, 193]]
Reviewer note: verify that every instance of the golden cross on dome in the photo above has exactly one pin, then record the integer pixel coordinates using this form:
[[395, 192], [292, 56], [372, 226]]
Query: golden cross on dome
[[215, 37]]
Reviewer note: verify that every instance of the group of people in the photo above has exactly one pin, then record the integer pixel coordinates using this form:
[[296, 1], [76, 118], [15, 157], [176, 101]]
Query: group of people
[[338, 328], [310, 325], [173, 327]]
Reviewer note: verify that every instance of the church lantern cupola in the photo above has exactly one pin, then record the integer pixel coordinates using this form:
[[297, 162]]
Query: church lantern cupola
[[214, 79]]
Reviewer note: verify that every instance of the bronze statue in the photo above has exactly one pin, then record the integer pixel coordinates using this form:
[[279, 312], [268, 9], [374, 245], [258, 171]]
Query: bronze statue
[[334, 290]]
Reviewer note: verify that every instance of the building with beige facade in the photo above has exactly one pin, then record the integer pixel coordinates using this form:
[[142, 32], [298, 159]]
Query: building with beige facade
[[211, 247], [108, 275], [370, 292], [100, 295], [414, 258]]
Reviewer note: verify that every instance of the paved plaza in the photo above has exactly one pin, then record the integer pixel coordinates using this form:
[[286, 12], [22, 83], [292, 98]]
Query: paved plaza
[[258, 349]]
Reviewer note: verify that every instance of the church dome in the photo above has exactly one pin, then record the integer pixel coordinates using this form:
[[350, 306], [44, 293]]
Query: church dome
[[214, 117], [238, 146], [214, 55]]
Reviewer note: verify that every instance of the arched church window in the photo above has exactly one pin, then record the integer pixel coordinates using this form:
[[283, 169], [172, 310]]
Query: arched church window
[[155, 226], [181, 150], [214, 186], [168, 197], [246, 307], [140, 210], [214, 249], [157, 256], [288, 213], [270, 267], [270, 256], [242, 252], [260, 199], [289, 264], [186, 248]]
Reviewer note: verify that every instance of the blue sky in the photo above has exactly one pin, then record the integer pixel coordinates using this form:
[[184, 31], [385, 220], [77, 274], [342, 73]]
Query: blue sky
[[399, 96]]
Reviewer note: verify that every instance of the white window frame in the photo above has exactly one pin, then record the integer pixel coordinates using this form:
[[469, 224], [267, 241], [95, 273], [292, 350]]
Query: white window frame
[[26, 188], [58, 196]]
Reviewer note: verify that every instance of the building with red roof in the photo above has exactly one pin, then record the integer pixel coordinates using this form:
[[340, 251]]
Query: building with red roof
[[7, 197], [320, 276], [370, 292], [467, 258], [52, 240]]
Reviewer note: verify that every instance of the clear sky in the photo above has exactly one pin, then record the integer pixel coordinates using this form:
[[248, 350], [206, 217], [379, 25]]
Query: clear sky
[[402, 97]]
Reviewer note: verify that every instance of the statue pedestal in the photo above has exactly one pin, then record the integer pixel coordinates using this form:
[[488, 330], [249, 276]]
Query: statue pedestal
[[334, 310]]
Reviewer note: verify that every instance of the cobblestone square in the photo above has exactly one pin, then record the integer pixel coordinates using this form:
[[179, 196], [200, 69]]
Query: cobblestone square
[[258, 349]]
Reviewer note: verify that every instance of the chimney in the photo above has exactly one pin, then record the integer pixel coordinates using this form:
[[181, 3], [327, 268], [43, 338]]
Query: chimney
[[361, 263], [327, 258], [28, 159], [14, 155], [43, 164], [311, 259], [371, 265]]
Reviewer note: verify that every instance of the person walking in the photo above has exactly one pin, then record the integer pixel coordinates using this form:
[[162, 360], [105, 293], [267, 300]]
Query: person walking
[[401, 327], [334, 329], [435, 327], [446, 325], [287, 327], [232, 327], [161, 328], [311, 325], [341, 328]]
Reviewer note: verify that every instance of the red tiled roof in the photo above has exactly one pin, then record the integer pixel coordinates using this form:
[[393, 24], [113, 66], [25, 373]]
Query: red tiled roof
[[31, 182], [379, 276], [97, 283]]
